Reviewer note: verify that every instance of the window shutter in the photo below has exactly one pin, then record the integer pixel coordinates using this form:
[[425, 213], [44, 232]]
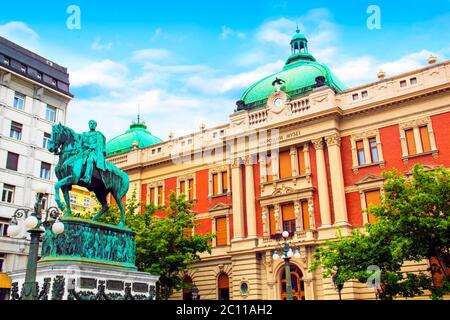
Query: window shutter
[[285, 164], [305, 215], [152, 195], [221, 231], [215, 184], [410, 141], [225, 181], [301, 161], [424, 136], [288, 212], [372, 199], [160, 195], [191, 189], [183, 187], [273, 229]]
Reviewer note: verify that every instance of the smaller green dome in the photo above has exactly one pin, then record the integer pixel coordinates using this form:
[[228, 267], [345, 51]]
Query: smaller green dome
[[137, 136]]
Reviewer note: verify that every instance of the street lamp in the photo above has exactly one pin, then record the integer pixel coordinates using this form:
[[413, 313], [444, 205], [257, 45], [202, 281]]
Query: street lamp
[[35, 223], [287, 254]]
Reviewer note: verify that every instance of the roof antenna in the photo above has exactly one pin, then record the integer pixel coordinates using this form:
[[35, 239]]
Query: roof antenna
[[139, 114], [298, 30]]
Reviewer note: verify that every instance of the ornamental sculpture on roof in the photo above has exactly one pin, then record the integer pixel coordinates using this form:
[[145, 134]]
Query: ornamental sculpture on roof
[[82, 162]]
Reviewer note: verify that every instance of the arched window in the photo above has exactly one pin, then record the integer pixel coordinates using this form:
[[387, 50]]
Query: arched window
[[223, 285], [298, 286], [187, 294]]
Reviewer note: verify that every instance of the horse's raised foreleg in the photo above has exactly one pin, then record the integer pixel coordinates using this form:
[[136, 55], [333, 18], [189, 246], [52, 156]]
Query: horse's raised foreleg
[[62, 183]]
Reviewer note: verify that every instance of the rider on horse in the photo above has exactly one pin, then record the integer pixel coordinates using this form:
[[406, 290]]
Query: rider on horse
[[93, 144]]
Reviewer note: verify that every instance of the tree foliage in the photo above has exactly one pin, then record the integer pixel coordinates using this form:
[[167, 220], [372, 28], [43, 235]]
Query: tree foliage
[[165, 246], [412, 224]]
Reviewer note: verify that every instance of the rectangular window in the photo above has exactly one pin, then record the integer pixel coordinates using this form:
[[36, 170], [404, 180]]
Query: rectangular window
[[413, 80], [221, 231], [364, 94], [372, 199], [403, 83], [47, 137], [16, 130], [269, 169], [191, 189], [305, 215], [45, 170], [19, 101], [8, 193], [288, 217], [425, 138], [225, 182], [355, 97], [215, 183], [285, 164], [360, 152], [50, 113], [152, 195], [160, 196], [183, 187], [373, 150], [3, 231], [73, 198], [301, 161], [87, 202], [2, 260], [273, 228], [410, 141], [12, 161]]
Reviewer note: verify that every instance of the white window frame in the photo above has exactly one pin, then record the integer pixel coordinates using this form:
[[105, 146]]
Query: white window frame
[[156, 185], [14, 136], [220, 211], [186, 178], [219, 171], [50, 108], [49, 171], [415, 125], [365, 137], [19, 97], [10, 190]]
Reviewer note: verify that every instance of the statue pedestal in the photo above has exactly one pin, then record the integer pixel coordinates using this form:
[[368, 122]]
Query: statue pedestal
[[89, 261]]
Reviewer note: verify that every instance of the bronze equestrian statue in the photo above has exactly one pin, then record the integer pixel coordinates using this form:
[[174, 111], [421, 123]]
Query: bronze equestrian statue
[[82, 162]]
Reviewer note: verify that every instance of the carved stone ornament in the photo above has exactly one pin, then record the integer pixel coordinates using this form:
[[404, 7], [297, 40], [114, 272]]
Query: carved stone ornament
[[334, 140], [318, 143]]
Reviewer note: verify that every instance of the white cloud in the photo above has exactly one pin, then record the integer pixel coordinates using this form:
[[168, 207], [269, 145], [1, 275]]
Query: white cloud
[[98, 45], [228, 32], [20, 33], [150, 54], [406, 63], [228, 83], [106, 74]]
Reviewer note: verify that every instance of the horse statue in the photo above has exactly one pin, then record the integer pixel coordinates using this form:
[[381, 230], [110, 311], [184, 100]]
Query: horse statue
[[74, 158]]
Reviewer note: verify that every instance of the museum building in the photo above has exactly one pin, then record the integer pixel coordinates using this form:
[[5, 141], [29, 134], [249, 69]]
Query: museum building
[[300, 153]]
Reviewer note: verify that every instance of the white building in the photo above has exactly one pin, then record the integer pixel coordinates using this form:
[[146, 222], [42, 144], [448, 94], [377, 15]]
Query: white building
[[34, 94]]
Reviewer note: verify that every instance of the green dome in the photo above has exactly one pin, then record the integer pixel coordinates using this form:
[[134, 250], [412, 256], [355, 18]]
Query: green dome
[[137, 135], [299, 75]]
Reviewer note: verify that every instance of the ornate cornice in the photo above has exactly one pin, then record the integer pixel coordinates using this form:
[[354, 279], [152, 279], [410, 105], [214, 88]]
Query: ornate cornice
[[415, 123]]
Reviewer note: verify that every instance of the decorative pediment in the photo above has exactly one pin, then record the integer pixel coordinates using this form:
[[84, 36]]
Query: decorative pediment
[[426, 167], [369, 179], [219, 207], [282, 190]]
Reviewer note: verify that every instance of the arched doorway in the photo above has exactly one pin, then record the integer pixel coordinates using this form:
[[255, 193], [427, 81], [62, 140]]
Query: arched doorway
[[223, 285], [187, 294], [298, 285]]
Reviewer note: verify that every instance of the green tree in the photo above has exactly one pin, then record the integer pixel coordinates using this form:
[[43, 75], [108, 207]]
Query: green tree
[[412, 224], [164, 246]]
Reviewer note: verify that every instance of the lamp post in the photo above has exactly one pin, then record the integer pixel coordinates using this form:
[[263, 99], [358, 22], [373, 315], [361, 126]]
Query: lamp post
[[287, 254], [35, 223]]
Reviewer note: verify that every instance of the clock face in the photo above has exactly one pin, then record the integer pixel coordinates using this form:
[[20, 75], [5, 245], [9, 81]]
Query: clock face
[[278, 102]]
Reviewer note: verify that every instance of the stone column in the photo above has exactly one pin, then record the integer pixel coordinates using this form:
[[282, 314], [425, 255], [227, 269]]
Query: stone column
[[337, 179], [238, 200], [294, 162], [324, 201], [265, 221], [307, 159], [250, 198]]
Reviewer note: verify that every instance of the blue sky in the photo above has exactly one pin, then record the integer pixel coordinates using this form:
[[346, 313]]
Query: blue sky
[[187, 62]]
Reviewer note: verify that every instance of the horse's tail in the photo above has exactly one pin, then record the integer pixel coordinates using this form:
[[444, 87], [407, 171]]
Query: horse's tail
[[121, 182]]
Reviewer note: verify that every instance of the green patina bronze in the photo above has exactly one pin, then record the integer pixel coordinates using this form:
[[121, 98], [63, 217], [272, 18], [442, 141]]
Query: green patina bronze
[[90, 242], [82, 162]]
